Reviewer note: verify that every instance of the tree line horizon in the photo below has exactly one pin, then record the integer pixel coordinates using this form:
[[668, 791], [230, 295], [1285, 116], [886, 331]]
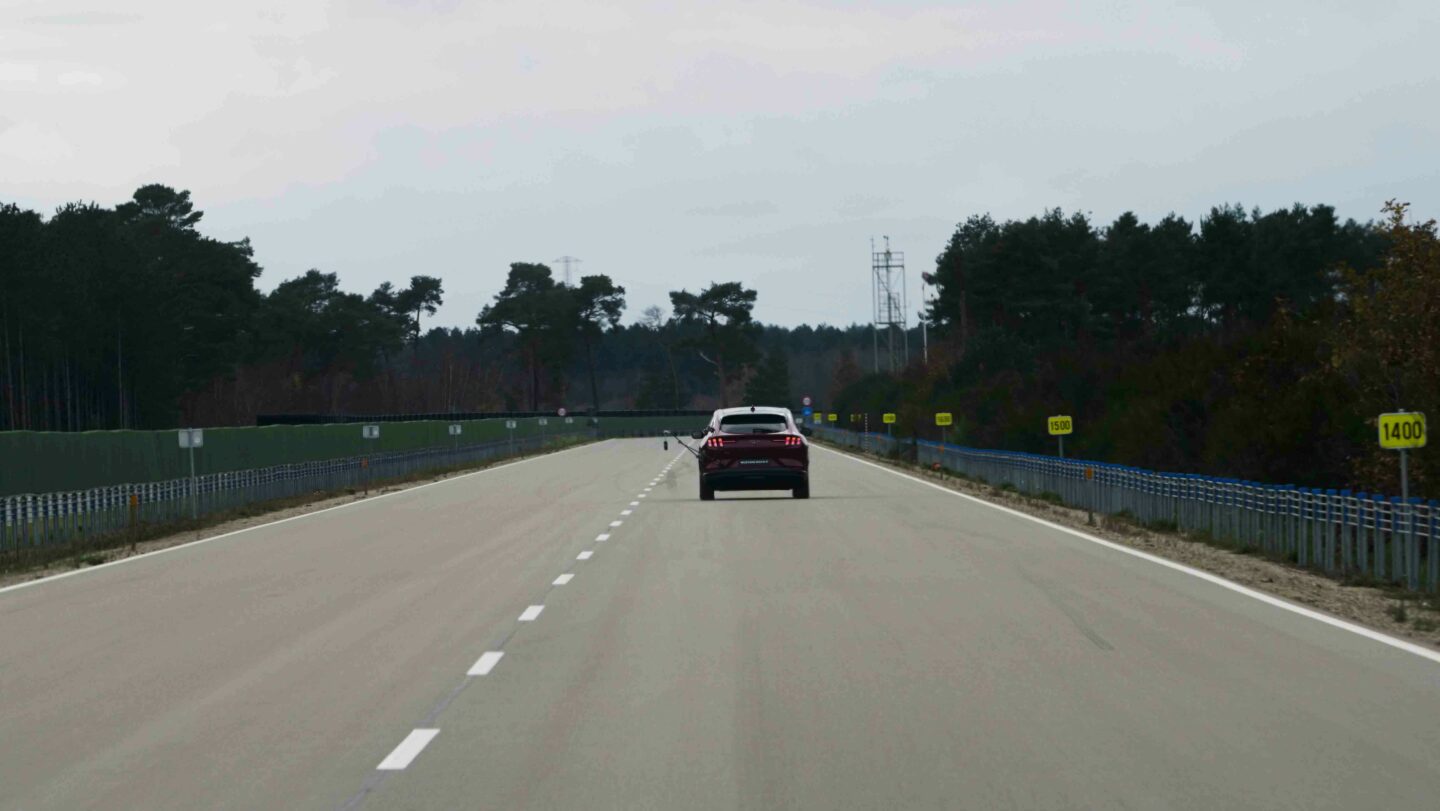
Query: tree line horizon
[[1247, 343], [148, 323]]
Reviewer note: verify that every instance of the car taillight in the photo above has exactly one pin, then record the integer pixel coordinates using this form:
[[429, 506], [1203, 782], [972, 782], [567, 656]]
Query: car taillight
[[792, 440], [715, 442]]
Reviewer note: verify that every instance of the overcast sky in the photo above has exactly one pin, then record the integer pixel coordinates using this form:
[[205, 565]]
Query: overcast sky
[[671, 144]]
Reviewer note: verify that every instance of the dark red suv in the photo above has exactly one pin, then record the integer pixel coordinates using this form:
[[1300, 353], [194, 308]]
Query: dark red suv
[[753, 448]]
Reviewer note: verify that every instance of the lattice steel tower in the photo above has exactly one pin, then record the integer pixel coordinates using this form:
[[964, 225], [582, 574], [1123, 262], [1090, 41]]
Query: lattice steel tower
[[566, 262], [888, 269]]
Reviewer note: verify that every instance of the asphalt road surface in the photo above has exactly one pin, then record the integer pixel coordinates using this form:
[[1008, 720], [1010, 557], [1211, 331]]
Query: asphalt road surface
[[580, 631]]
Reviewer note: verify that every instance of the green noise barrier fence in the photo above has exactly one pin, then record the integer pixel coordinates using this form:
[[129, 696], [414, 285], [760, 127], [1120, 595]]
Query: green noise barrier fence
[[34, 462], [49, 521], [152, 485]]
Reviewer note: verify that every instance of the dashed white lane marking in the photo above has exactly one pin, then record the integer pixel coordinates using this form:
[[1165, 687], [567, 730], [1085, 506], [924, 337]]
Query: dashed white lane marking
[[413, 745], [418, 739], [642, 495], [486, 663], [648, 489]]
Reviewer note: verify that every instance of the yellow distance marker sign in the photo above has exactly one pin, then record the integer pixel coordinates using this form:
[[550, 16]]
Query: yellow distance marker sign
[[819, 418], [832, 417], [1402, 430], [1061, 425], [944, 418], [887, 418]]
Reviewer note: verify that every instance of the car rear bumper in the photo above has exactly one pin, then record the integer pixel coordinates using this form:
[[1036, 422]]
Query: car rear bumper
[[763, 479]]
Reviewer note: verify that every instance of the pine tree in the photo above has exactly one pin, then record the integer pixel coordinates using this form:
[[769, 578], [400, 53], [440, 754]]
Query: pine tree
[[845, 374], [770, 385]]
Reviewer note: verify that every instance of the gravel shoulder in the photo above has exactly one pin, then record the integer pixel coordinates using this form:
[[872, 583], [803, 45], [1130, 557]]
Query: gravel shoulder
[[1402, 614]]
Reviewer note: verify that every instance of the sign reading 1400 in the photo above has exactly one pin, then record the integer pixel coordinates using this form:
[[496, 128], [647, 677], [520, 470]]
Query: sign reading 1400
[[1402, 430]]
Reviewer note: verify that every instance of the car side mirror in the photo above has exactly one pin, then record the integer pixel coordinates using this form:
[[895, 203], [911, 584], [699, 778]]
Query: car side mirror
[[697, 435], [804, 431]]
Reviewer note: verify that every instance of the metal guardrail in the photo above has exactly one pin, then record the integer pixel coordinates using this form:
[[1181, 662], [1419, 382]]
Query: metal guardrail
[[47, 520], [1335, 531], [701, 416]]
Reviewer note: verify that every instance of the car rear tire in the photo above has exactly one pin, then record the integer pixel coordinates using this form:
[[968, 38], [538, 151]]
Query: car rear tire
[[706, 493], [803, 491]]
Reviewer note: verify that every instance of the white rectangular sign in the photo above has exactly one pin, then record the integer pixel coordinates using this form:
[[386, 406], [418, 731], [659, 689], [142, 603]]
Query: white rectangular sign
[[192, 437], [455, 430], [510, 424], [544, 421], [370, 432]]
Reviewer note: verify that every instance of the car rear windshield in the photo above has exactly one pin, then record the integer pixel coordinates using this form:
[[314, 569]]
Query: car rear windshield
[[753, 423]]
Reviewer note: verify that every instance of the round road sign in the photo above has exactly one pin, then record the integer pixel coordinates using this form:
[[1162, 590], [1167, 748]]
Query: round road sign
[[805, 401], [561, 412]]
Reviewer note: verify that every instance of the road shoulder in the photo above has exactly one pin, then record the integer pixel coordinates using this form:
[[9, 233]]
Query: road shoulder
[[1389, 611], [259, 515]]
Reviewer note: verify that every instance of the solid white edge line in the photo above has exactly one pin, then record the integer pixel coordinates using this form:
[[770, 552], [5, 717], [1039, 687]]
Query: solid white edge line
[[1336, 622], [563, 579], [584, 555], [408, 749], [531, 613], [486, 663], [51, 578]]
